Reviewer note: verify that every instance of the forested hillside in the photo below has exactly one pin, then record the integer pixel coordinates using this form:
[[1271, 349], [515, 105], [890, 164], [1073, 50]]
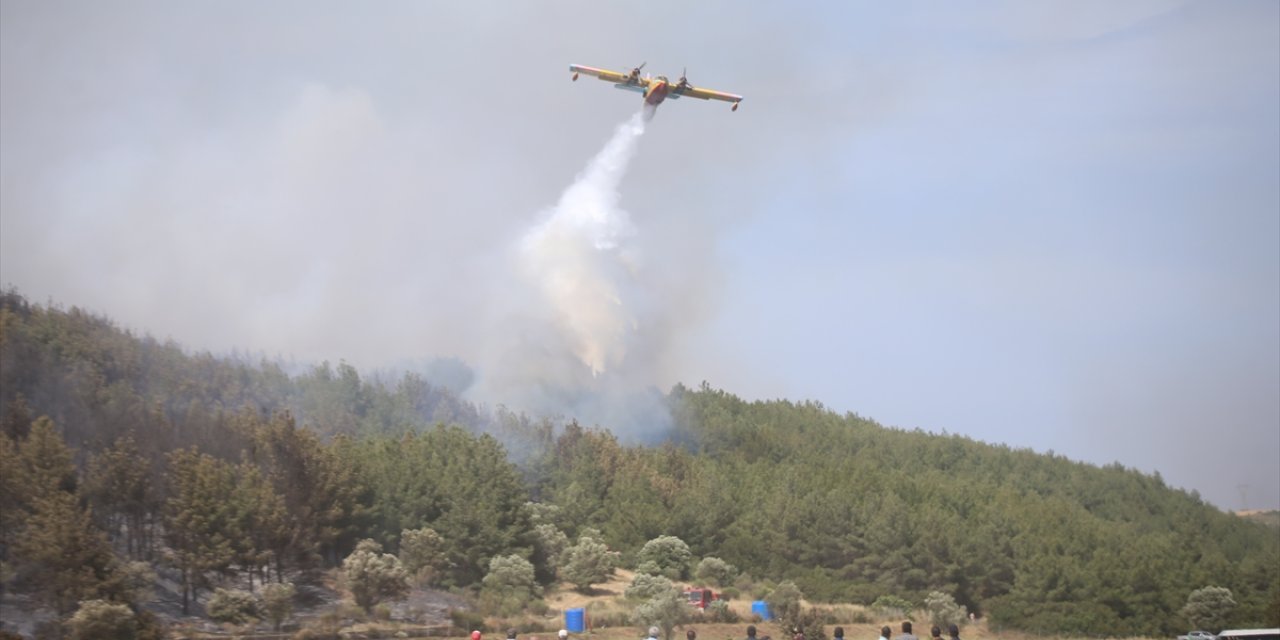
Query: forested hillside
[[130, 449]]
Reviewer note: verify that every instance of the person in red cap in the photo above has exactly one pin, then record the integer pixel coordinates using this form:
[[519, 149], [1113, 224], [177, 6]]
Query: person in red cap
[[475, 635]]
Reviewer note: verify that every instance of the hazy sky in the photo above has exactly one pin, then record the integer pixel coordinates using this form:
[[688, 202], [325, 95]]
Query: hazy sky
[[1054, 225]]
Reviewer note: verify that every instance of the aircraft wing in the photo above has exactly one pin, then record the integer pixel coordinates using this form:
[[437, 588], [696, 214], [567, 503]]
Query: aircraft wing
[[705, 94], [608, 76]]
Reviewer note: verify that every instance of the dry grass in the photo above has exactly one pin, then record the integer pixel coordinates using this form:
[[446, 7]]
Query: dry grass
[[566, 598]]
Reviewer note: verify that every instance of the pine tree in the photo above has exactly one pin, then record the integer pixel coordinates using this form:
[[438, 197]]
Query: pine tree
[[47, 460], [261, 523], [199, 518], [63, 557], [14, 495], [17, 419], [118, 485]]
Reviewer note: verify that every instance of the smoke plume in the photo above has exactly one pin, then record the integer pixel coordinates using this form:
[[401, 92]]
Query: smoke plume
[[578, 260], [584, 314]]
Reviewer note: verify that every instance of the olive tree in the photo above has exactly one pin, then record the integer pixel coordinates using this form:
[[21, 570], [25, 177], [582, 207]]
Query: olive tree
[[943, 609], [509, 585], [372, 576], [550, 545], [646, 586], [665, 610], [716, 571], [588, 562], [789, 611], [668, 554]]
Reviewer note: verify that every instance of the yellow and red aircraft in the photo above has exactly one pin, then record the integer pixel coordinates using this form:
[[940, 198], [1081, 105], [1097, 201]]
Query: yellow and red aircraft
[[657, 89]]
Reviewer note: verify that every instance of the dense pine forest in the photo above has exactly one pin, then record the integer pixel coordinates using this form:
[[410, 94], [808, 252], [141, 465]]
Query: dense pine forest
[[123, 453]]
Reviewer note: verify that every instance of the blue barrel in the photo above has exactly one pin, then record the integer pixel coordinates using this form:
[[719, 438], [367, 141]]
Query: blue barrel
[[573, 620], [761, 608]]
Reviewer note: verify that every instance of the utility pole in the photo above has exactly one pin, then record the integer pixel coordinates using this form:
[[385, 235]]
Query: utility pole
[[1244, 492]]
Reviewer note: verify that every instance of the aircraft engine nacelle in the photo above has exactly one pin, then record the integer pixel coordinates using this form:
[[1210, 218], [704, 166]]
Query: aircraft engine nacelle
[[735, 107], [575, 77]]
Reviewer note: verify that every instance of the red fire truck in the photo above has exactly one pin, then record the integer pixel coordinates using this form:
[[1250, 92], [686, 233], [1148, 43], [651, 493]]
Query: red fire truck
[[700, 598]]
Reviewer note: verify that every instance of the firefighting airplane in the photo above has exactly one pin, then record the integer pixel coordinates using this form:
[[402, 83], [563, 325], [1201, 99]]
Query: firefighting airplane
[[657, 89]]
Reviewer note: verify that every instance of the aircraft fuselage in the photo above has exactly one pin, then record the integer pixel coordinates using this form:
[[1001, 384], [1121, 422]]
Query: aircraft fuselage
[[657, 92]]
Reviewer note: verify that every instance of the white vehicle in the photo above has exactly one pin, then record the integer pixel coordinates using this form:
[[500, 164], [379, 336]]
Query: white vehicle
[[1198, 635], [1250, 634]]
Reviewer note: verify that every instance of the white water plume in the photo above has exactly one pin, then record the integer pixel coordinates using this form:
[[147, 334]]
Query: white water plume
[[579, 261]]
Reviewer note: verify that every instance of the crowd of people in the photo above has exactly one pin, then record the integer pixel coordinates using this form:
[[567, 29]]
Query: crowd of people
[[935, 633], [886, 633]]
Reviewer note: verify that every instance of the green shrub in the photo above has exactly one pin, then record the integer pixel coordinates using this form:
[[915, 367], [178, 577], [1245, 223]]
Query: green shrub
[[422, 554], [102, 620], [1209, 608], [648, 568], [610, 618], [826, 615], [277, 602], [645, 586], [665, 610], [790, 613], [943, 609], [465, 621], [150, 627], [313, 634], [509, 585], [716, 572], [891, 606], [586, 563], [233, 606], [670, 553], [373, 576], [719, 611]]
